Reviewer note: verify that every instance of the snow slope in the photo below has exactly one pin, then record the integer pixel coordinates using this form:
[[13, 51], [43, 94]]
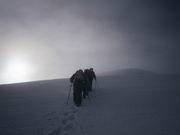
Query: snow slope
[[141, 103]]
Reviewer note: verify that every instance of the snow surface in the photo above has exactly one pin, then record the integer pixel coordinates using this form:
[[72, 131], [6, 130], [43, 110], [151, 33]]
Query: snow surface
[[132, 103]]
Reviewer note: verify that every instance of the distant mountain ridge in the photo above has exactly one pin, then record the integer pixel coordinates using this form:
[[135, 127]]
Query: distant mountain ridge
[[132, 71], [128, 72]]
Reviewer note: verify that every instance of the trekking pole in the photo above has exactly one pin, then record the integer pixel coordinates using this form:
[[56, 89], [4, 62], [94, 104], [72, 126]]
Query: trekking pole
[[69, 94]]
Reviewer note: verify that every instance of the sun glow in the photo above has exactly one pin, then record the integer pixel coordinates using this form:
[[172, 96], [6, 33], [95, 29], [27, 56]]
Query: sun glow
[[17, 71]]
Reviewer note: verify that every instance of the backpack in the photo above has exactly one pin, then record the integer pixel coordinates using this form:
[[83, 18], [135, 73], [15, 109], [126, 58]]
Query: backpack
[[79, 77]]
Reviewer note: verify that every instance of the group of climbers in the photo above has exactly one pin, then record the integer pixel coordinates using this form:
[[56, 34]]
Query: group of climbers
[[82, 84]]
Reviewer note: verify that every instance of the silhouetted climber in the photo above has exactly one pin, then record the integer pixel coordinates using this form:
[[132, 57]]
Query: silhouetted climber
[[91, 76], [87, 86], [78, 79]]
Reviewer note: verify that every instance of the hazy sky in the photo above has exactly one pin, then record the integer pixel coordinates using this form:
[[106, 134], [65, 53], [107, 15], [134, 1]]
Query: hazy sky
[[52, 38]]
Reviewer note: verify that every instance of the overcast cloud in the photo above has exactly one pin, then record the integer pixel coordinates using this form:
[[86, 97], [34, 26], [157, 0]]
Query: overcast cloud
[[59, 36]]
